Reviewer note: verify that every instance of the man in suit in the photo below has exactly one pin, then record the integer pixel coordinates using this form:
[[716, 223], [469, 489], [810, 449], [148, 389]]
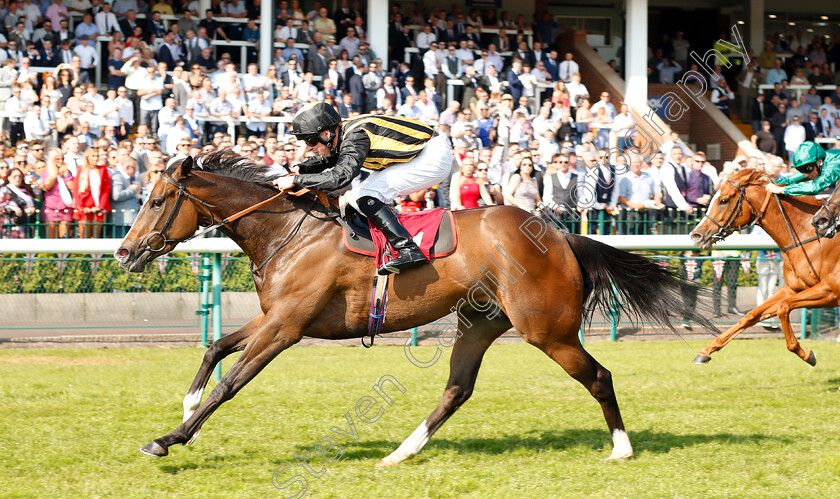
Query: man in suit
[[514, 83], [47, 55], [356, 88], [317, 60], [333, 74], [450, 34], [759, 112], [524, 54], [552, 66], [128, 23], [813, 127], [502, 41], [304, 34], [401, 41], [471, 35]]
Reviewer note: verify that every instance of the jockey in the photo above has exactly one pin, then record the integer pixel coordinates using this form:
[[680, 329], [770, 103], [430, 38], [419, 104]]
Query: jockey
[[816, 170], [403, 156]]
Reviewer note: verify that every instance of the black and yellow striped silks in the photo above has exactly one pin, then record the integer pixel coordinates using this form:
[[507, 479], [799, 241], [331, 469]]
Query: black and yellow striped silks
[[392, 139]]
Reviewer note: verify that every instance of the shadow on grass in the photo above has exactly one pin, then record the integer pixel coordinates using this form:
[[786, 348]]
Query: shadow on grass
[[643, 441]]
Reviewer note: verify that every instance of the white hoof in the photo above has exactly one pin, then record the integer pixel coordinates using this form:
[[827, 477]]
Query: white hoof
[[622, 450], [394, 459]]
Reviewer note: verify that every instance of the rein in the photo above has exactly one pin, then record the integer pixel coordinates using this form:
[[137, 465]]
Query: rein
[[796, 241], [183, 193]]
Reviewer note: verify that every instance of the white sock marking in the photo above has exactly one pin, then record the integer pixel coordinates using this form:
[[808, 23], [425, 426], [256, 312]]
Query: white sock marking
[[410, 447], [191, 403], [621, 445]]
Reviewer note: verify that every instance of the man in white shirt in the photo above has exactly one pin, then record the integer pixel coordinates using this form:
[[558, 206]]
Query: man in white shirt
[[794, 136], [410, 109], [606, 104], [430, 62], [576, 90], [257, 108], [106, 20], [125, 111], [674, 180], [253, 82], [287, 31], [110, 110], [425, 38], [568, 68], [176, 135], [87, 54], [34, 127], [623, 127], [151, 101]]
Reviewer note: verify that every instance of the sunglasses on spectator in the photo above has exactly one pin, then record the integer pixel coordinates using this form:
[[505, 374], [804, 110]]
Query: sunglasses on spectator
[[289, 150], [482, 169], [156, 171], [20, 162]]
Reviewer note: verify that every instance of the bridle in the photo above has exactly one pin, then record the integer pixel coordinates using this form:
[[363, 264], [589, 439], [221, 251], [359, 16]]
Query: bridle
[[182, 194], [727, 228], [320, 197], [832, 218]]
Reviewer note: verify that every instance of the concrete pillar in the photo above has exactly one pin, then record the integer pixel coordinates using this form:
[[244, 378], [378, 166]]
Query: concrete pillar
[[377, 29], [203, 5], [755, 25], [266, 35], [636, 49]]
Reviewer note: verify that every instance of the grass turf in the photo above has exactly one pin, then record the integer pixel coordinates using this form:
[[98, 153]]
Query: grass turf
[[756, 422]]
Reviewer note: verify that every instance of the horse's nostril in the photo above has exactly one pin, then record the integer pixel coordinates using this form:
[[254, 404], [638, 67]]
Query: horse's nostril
[[696, 237], [121, 253], [821, 222]]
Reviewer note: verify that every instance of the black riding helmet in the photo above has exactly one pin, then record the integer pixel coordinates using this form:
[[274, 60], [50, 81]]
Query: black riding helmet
[[312, 119]]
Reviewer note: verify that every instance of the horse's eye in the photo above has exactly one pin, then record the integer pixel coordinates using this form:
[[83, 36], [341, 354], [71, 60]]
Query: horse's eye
[[723, 201], [157, 203]]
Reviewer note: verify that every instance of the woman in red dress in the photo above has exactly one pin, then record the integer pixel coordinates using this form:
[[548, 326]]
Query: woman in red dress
[[466, 190], [92, 193]]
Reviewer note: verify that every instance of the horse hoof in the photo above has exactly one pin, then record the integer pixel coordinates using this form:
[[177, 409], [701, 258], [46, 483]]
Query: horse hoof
[[702, 359], [812, 358], [195, 435], [620, 457], [154, 449]]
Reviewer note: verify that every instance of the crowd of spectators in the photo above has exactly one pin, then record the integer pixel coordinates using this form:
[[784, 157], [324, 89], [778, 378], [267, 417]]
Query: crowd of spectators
[[77, 160]]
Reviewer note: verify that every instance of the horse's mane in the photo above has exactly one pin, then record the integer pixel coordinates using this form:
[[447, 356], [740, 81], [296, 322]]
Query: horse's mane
[[227, 163], [749, 176]]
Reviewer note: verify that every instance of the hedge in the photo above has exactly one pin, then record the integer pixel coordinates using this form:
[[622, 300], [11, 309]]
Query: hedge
[[82, 274]]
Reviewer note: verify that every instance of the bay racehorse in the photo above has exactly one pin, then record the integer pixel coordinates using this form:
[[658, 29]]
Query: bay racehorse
[[544, 282], [826, 220], [810, 263]]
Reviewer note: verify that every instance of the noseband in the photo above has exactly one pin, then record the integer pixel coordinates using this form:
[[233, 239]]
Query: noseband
[[159, 234], [727, 228]]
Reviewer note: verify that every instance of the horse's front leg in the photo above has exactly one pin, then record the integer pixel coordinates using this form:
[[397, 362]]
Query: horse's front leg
[[818, 296], [220, 349], [264, 345], [764, 311]]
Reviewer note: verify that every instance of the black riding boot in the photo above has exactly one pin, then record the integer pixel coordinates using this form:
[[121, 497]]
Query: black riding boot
[[410, 255]]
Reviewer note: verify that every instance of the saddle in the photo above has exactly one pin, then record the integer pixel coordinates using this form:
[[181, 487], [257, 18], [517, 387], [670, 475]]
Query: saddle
[[432, 230]]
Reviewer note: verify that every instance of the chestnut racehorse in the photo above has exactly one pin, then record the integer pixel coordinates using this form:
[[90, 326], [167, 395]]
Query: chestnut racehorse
[[540, 281], [810, 263]]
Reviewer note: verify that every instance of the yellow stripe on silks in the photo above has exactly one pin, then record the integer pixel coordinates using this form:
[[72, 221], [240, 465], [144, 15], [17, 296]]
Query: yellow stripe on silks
[[359, 120], [400, 128], [387, 143], [382, 163]]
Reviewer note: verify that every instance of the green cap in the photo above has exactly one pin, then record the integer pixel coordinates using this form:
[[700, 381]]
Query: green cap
[[807, 153]]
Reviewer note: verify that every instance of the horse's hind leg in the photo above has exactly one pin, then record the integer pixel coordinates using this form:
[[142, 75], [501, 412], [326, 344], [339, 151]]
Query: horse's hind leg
[[566, 350], [464, 363], [220, 349], [819, 296]]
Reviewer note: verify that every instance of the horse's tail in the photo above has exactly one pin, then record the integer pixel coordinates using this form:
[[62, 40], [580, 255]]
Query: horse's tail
[[641, 286]]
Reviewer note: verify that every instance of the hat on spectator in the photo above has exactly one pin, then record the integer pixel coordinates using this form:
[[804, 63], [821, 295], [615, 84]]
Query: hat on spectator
[[507, 97]]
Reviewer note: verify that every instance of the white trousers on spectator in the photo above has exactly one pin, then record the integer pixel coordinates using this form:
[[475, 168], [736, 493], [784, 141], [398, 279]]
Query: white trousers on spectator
[[430, 167]]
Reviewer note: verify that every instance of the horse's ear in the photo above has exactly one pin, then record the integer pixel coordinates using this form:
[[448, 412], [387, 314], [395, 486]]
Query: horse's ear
[[186, 167]]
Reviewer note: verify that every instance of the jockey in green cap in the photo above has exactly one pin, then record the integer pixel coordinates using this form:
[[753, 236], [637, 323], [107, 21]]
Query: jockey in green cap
[[816, 170]]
